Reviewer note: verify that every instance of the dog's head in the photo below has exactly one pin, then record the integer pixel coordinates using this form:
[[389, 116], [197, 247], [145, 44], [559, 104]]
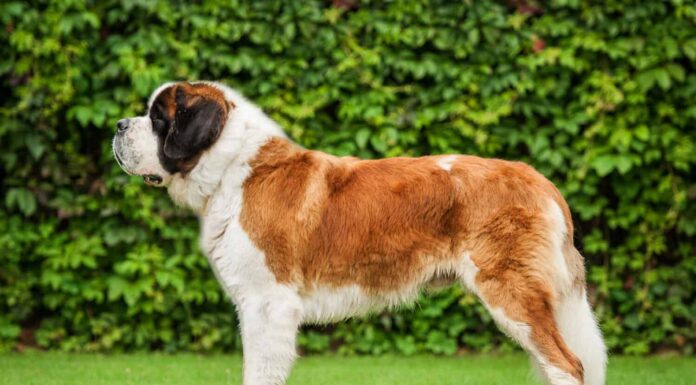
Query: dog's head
[[183, 120]]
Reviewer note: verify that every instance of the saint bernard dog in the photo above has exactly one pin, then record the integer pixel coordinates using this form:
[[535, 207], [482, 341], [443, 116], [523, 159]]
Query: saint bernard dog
[[300, 236]]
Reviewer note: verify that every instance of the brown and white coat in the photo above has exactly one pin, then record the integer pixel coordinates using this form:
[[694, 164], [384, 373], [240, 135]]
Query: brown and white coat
[[297, 236]]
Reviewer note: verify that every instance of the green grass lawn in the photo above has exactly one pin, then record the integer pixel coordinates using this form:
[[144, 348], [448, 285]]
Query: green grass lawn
[[73, 369]]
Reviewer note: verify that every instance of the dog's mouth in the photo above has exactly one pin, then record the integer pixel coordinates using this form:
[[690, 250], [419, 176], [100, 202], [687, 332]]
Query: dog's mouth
[[153, 180], [150, 179]]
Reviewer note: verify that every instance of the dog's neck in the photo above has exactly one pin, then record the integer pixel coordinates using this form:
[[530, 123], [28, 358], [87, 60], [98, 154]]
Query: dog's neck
[[247, 129]]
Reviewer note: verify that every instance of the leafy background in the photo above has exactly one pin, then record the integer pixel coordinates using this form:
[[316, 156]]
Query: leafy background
[[598, 95]]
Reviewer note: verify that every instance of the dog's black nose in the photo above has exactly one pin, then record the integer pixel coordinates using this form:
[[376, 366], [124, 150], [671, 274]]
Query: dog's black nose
[[122, 125]]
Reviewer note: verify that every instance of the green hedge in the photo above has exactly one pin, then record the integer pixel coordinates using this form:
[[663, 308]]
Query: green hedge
[[600, 96]]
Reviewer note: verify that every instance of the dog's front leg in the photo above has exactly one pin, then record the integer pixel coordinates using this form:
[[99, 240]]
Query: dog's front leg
[[269, 326]]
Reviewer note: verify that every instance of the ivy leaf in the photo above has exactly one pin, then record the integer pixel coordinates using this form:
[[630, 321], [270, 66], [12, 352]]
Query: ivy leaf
[[604, 164], [35, 146], [82, 113], [662, 77], [22, 199], [361, 137]]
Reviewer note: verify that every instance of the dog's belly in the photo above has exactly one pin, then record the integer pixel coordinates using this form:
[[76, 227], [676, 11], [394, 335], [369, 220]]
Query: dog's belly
[[326, 305], [330, 304]]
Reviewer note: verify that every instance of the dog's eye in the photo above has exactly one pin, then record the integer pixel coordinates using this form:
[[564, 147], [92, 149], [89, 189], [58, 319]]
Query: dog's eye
[[158, 124]]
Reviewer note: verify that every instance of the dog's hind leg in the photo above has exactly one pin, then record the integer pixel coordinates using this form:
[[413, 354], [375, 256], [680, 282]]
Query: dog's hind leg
[[269, 322], [518, 268], [523, 310]]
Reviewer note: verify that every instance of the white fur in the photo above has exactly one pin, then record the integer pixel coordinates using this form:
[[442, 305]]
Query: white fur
[[519, 331], [580, 331], [326, 304], [334, 304], [560, 272], [446, 162], [467, 273], [137, 149], [556, 376]]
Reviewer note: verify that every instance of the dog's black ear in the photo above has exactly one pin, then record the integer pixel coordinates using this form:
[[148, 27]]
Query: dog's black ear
[[197, 123]]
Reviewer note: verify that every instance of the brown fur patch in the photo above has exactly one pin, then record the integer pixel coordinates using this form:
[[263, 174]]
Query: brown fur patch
[[322, 219]]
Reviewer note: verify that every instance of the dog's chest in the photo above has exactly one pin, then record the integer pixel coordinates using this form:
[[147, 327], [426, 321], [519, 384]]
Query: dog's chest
[[237, 263]]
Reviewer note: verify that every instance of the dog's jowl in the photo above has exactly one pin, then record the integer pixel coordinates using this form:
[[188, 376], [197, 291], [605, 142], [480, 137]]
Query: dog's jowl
[[299, 236]]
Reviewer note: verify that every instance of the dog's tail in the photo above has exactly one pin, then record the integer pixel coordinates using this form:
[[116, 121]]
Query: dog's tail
[[581, 333]]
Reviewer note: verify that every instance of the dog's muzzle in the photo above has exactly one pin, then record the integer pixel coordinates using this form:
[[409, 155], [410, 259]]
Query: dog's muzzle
[[135, 149]]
